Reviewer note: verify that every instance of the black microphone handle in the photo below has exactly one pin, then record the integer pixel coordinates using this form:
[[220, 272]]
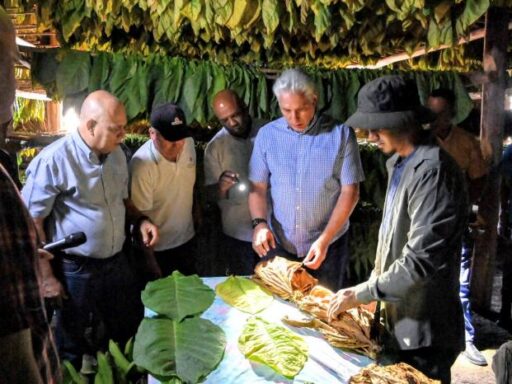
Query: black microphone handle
[[70, 241]]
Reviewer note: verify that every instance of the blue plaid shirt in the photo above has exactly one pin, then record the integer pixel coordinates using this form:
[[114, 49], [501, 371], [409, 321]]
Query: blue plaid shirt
[[305, 172]]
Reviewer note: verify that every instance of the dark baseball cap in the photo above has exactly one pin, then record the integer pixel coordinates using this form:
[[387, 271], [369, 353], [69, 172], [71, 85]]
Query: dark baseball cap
[[169, 120]]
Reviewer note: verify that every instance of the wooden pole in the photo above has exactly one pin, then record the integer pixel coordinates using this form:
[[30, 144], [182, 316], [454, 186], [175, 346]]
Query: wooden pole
[[491, 136]]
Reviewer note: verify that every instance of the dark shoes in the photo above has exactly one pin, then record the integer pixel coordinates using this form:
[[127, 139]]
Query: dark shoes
[[474, 355]]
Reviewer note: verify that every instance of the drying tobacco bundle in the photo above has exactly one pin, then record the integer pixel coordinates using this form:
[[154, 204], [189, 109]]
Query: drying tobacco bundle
[[400, 373], [289, 280], [283, 277]]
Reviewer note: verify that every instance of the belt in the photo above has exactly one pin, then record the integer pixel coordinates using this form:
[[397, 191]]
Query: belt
[[94, 260]]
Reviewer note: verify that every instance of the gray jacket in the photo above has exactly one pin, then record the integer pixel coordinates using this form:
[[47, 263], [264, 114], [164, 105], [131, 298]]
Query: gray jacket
[[418, 256]]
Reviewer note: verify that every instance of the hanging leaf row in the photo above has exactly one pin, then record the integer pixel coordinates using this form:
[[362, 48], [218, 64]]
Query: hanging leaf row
[[143, 82], [263, 32]]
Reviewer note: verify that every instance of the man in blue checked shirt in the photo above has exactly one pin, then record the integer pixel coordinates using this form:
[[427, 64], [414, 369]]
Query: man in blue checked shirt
[[308, 164]]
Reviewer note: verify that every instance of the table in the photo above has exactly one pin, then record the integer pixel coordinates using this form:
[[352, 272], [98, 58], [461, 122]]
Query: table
[[325, 364]]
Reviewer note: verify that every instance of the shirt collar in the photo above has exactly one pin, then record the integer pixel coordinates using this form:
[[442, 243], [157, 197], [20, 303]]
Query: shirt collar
[[315, 122], [87, 151], [402, 161]]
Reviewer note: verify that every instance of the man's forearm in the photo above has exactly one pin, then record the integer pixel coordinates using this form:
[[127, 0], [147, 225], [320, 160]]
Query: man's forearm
[[39, 224], [346, 203], [258, 200]]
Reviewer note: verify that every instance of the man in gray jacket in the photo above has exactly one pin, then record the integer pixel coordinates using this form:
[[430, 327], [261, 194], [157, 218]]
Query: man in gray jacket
[[415, 278]]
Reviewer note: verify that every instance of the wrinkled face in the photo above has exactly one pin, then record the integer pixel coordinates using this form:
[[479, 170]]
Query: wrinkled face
[[385, 140], [170, 150], [444, 114], [234, 117], [108, 131], [297, 109]]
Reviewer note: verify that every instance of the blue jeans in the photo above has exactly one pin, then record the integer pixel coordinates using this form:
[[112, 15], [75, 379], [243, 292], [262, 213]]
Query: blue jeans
[[331, 273], [103, 303], [465, 286]]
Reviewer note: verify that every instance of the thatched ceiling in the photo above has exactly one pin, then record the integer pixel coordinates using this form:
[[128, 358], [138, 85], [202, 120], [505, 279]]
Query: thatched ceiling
[[271, 33]]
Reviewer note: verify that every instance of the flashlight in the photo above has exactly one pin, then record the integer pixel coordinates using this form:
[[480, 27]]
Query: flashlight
[[240, 185]]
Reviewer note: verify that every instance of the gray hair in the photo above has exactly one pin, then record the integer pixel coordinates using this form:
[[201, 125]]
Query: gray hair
[[295, 81]]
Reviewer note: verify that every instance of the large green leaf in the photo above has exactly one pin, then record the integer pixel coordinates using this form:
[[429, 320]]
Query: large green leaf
[[129, 82], [243, 294], [273, 345], [73, 73], [189, 349], [178, 296]]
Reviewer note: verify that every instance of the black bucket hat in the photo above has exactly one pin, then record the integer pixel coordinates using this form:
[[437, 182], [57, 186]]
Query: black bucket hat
[[389, 102]]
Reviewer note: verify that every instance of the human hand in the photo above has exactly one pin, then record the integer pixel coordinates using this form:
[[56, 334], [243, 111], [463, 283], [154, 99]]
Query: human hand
[[263, 239], [226, 181], [342, 301], [316, 254], [50, 286], [149, 233]]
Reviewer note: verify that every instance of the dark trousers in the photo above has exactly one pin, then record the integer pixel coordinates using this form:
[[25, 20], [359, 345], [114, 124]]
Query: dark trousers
[[103, 303], [331, 273], [181, 258], [433, 362], [240, 256]]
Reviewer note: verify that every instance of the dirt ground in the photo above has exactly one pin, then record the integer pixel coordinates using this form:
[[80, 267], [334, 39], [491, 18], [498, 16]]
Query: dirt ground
[[488, 336], [488, 339]]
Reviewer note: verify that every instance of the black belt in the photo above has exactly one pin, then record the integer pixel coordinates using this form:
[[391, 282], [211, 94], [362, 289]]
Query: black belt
[[94, 260]]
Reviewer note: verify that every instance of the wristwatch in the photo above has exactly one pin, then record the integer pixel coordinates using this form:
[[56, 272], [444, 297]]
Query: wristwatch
[[257, 221]]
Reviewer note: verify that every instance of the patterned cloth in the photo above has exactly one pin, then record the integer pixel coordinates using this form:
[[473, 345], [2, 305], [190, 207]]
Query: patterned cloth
[[305, 172], [21, 302]]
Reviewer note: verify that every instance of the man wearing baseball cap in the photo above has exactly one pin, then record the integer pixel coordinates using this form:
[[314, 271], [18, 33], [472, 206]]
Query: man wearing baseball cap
[[163, 174], [415, 279]]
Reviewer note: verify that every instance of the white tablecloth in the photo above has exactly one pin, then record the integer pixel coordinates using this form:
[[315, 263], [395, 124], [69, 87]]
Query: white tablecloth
[[325, 364]]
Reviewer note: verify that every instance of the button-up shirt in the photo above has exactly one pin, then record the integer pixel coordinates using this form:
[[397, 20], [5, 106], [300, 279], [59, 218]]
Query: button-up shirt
[[69, 186], [305, 172]]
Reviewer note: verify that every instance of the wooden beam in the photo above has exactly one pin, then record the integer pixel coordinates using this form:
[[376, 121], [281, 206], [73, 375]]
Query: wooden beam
[[491, 137], [475, 35]]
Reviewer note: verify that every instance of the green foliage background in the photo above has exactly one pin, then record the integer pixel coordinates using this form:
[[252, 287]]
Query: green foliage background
[[142, 82]]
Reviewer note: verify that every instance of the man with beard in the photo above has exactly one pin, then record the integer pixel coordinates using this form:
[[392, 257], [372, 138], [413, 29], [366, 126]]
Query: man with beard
[[226, 167]]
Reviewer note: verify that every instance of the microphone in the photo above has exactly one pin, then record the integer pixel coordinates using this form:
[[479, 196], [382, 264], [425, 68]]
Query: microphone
[[73, 240]]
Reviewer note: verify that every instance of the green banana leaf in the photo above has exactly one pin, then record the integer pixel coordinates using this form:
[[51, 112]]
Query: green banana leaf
[[178, 296], [190, 349], [273, 345], [243, 294]]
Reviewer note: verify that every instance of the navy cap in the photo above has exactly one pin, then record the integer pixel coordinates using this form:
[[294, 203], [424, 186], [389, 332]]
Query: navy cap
[[169, 120]]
